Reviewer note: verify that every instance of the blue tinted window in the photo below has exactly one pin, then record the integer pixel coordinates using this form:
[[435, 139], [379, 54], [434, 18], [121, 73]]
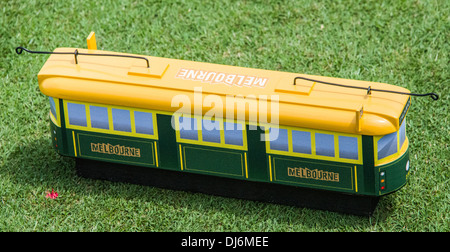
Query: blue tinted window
[[301, 142], [188, 128], [387, 145], [402, 133], [53, 107], [233, 133], [348, 147], [324, 145], [143, 122], [278, 139], [121, 120], [99, 117], [77, 114], [210, 131]]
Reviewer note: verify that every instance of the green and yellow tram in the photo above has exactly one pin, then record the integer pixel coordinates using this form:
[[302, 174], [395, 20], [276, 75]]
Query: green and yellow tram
[[281, 137]]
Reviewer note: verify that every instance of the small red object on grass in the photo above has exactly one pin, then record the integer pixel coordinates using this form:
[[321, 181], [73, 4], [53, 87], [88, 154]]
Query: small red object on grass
[[52, 195]]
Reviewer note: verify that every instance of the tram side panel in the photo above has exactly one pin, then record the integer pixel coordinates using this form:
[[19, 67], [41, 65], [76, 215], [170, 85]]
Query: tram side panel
[[240, 155], [87, 131]]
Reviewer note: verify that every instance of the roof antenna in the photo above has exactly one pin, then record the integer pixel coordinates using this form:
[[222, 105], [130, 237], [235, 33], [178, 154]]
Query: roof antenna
[[369, 89], [20, 49]]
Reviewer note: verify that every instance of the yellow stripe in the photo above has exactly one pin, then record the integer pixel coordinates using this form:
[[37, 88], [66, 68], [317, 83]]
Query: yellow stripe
[[133, 125], [110, 118], [313, 144], [57, 119], [356, 180], [181, 158], [74, 143], [53, 119], [290, 147], [246, 171], [156, 154], [88, 116], [336, 146], [270, 168]]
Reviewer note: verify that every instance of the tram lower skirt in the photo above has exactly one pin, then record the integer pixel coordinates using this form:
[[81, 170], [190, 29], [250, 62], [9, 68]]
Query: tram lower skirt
[[227, 187]]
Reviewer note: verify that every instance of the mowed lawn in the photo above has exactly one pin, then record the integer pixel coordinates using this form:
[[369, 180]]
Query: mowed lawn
[[404, 43]]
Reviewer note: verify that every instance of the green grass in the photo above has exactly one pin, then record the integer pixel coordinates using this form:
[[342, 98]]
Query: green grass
[[399, 42]]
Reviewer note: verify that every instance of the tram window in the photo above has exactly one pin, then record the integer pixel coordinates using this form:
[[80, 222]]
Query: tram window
[[387, 145], [188, 128], [402, 133], [233, 133], [143, 122], [278, 139], [348, 147], [99, 117], [324, 144], [301, 141], [121, 120], [77, 114], [53, 107], [210, 131]]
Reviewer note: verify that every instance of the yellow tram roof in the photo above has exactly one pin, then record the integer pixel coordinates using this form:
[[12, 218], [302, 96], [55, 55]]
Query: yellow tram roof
[[128, 82]]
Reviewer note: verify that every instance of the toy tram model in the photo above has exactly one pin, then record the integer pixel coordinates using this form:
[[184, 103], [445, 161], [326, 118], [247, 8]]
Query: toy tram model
[[302, 140]]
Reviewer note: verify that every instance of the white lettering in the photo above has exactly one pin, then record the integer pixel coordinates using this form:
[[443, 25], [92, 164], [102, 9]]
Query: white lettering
[[241, 78], [225, 78], [184, 109], [235, 242], [230, 78], [194, 242], [191, 74], [219, 78], [260, 82], [249, 80], [181, 73], [252, 109]]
